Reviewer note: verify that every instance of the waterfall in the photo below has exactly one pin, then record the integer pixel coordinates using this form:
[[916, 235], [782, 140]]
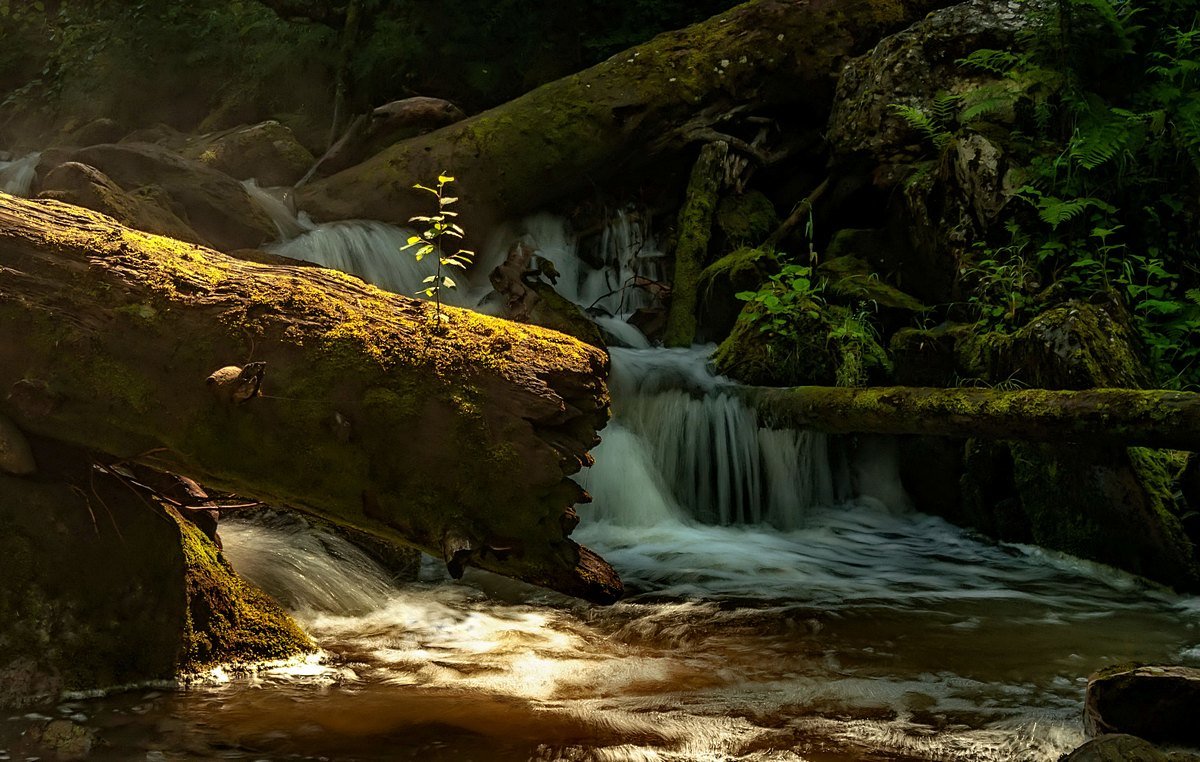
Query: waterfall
[[16, 176], [680, 445]]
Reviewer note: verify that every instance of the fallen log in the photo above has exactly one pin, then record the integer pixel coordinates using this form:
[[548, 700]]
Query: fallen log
[[570, 134], [304, 387], [1147, 418]]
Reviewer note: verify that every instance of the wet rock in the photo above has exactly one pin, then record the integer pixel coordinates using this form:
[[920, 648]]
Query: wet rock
[[267, 152], [62, 739], [1124, 748], [209, 202], [15, 456], [1157, 703], [101, 587], [146, 210], [102, 130]]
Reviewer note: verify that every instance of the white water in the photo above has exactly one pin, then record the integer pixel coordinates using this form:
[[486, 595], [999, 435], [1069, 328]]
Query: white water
[[16, 176]]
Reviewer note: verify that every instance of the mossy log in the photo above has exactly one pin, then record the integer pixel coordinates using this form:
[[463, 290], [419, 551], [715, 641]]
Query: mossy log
[[1148, 418], [458, 439], [679, 88], [691, 251]]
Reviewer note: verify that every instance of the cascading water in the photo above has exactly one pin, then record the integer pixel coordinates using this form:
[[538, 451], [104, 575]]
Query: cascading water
[[784, 605], [16, 176], [374, 251]]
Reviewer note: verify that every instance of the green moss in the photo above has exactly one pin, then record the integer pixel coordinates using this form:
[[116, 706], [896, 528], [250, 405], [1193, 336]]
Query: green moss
[[851, 278], [746, 218], [228, 620]]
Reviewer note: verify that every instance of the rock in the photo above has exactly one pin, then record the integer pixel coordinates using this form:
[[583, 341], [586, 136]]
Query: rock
[[744, 269], [553, 311], [15, 456], [1122, 748], [267, 152], [946, 194], [209, 202], [816, 350], [147, 209], [852, 279], [913, 68], [388, 124], [1157, 703], [746, 219], [1115, 505], [63, 739], [102, 587], [102, 130]]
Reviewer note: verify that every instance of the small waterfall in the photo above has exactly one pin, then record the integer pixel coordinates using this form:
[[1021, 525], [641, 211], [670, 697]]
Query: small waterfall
[[16, 176], [601, 277], [679, 445], [278, 203]]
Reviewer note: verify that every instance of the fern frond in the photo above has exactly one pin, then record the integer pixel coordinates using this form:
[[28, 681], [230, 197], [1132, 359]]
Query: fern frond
[[999, 62], [1097, 143], [1056, 211], [923, 123]]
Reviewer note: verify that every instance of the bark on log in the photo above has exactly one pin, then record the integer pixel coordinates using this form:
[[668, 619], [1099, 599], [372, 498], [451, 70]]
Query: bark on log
[[109, 335], [1097, 416], [603, 122]]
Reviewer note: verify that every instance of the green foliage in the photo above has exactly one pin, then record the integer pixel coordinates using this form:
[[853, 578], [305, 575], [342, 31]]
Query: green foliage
[[791, 292], [430, 242], [1106, 99]]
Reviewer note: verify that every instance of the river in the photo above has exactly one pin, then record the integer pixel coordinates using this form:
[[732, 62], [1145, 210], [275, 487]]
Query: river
[[785, 602]]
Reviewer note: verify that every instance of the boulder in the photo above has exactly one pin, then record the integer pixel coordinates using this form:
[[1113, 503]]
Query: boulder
[[147, 209], [209, 202], [946, 188], [1157, 703], [1124, 748], [101, 587], [744, 269], [852, 279], [267, 152]]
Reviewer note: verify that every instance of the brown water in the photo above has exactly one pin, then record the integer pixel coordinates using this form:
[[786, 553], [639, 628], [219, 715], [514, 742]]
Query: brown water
[[869, 636]]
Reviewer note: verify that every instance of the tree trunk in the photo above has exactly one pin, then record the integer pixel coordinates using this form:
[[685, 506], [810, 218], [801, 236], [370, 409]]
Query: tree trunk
[[691, 252], [457, 440], [680, 87], [1096, 416]]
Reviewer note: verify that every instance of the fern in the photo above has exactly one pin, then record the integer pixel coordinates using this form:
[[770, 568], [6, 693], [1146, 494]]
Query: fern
[[1098, 143], [999, 62], [923, 123]]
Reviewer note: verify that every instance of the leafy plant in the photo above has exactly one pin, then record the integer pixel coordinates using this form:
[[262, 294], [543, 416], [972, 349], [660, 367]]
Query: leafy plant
[[430, 243], [785, 296]]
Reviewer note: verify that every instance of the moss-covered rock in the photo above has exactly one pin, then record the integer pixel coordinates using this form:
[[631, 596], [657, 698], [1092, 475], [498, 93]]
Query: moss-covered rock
[[851, 278], [825, 345], [744, 269], [100, 587], [267, 152], [746, 219]]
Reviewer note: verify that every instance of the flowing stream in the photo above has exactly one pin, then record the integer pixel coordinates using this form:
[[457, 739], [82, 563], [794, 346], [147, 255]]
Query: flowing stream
[[17, 175], [786, 602]]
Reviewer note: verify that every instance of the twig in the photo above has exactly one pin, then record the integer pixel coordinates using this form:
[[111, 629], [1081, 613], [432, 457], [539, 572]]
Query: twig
[[799, 213]]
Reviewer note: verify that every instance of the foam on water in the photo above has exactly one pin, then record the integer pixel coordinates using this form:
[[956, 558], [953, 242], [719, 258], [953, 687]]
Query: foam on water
[[16, 176]]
